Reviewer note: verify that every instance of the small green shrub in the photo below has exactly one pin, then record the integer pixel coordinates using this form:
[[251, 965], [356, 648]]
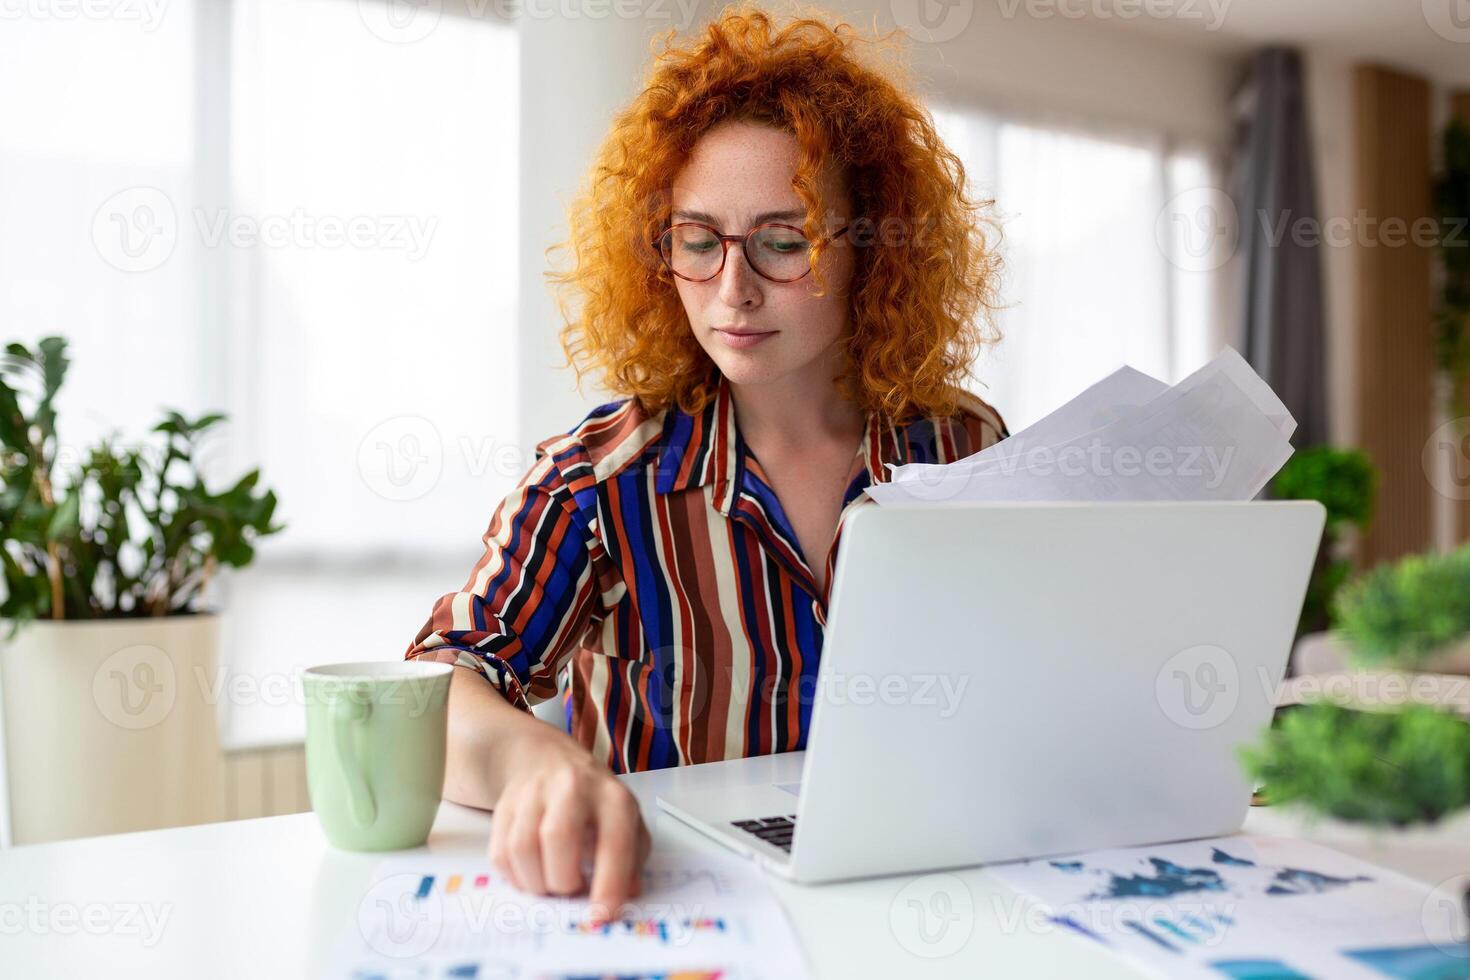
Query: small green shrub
[[1401, 613], [1344, 480], [1380, 767]]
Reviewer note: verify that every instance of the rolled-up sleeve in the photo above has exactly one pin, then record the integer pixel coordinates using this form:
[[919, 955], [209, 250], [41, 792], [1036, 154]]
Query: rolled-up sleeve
[[530, 598]]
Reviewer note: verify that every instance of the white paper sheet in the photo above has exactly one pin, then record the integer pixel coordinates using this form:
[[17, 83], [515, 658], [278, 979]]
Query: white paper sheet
[[1098, 405], [1242, 906], [699, 916], [1220, 434]]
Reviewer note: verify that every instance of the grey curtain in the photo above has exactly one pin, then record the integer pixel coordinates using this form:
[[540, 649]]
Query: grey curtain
[[1274, 189]]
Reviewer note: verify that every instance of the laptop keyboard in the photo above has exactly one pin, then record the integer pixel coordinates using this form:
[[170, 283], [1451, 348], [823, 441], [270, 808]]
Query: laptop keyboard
[[772, 830]]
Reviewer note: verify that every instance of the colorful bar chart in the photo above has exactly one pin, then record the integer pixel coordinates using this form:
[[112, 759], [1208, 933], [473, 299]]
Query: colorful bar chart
[[452, 884]]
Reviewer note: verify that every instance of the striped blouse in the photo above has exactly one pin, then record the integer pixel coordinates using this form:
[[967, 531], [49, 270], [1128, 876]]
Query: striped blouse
[[647, 558]]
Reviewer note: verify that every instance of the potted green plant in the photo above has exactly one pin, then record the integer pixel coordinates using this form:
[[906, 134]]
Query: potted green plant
[[1391, 768], [1413, 614], [108, 650]]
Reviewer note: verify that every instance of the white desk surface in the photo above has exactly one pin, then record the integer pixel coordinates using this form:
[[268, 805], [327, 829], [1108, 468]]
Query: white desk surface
[[270, 898]]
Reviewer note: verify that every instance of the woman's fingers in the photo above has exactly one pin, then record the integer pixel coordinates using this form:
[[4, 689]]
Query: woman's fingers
[[525, 843], [645, 847], [500, 820], [561, 812], [563, 827], [619, 824]]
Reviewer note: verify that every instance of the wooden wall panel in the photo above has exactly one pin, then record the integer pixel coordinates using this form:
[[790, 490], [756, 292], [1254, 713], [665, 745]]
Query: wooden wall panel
[[266, 782], [1395, 355], [1460, 106]]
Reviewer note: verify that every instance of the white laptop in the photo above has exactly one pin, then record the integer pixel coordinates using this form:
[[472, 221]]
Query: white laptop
[[1014, 680]]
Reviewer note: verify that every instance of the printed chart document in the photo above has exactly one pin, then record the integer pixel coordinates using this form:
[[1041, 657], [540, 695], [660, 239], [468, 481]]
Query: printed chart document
[[701, 916], [1245, 907], [1220, 434]]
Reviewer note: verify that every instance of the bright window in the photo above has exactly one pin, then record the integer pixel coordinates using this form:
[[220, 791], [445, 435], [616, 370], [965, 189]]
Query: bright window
[[1091, 277], [302, 214]]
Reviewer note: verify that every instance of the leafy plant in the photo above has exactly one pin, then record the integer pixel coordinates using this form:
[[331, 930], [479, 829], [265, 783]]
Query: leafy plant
[[118, 532], [1452, 313], [1405, 611], [1345, 482], [1380, 767]]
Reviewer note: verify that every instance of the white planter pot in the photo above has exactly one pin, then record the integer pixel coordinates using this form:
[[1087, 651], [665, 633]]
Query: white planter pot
[[110, 726]]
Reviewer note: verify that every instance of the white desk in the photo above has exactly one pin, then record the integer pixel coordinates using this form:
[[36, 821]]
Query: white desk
[[269, 897]]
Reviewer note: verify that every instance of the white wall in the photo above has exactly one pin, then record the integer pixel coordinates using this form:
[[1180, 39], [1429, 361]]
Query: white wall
[[1081, 70]]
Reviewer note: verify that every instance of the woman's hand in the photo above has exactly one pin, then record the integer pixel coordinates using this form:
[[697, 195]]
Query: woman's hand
[[554, 804], [557, 805]]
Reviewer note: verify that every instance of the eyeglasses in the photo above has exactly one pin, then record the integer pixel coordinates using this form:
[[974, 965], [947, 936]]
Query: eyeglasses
[[696, 252]]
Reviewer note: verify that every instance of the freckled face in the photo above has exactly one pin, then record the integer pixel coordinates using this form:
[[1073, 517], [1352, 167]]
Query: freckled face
[[737, 173]]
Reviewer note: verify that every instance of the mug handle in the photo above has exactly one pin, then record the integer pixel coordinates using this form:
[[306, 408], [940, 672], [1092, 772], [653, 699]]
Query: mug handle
[[346, 712]]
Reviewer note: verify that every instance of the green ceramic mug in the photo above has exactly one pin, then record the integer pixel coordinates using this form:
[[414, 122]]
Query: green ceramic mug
[[375, 750]]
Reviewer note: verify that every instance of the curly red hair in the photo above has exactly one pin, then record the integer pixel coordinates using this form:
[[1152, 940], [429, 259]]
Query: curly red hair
[[923, 291]]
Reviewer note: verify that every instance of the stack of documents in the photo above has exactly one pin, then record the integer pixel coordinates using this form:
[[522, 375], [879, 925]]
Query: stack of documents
[[1220, 434]]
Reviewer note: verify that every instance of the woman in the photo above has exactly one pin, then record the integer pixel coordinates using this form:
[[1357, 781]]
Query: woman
[[781, 273]]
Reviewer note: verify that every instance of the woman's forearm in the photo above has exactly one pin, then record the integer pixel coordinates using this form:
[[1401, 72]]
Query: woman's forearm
[[484, 731]]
